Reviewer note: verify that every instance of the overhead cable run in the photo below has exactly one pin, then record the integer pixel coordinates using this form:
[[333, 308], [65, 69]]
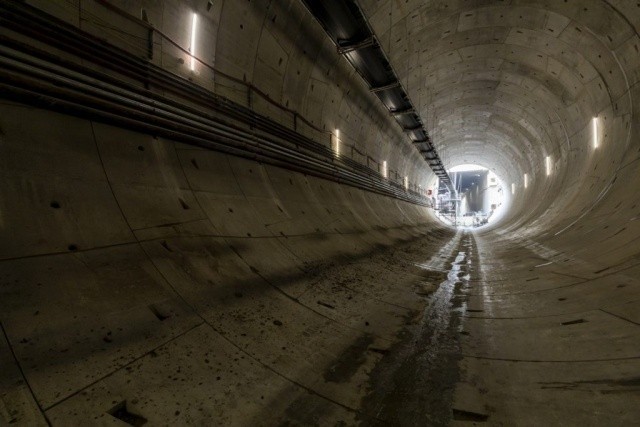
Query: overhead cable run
[[346, 25], [98, 81]]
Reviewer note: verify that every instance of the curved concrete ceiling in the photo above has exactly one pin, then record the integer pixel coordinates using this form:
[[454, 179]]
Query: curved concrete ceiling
[[525, 79], [231, 229]]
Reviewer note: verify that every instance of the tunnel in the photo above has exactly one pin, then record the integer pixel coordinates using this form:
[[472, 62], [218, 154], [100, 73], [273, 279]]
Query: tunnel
[[211, 215]]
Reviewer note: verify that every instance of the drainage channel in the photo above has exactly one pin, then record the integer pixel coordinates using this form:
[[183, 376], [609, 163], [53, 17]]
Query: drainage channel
[[414, 385]]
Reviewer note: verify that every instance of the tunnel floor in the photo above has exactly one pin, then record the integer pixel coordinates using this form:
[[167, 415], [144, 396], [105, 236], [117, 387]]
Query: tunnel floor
[[447, 329], [360, 337]]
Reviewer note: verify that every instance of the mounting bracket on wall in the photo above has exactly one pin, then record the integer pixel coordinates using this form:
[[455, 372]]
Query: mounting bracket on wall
[[346, 46]]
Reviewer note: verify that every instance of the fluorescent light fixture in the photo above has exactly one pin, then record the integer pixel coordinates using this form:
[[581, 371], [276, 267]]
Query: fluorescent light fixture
[[406, 182], [192, 49], [547, 164], [513, 188], [526, 180], [385, 171], [337, 142], [594, 131]]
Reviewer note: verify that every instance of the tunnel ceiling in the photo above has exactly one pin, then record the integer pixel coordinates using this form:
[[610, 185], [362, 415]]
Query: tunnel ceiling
[[504, 84]]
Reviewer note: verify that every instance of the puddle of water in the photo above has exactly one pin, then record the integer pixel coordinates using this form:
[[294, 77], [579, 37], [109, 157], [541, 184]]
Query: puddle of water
[[413, 384]]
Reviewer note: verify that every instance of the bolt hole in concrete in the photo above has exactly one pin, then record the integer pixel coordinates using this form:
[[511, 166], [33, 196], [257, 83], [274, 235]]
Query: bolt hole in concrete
[[160, 312], [121, 412], [460, 415], [55, 205], [478, 197], [184, 204], [574, 322]]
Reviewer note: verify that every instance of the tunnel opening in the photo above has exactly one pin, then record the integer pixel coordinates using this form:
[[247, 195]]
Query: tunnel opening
[[477, 198]]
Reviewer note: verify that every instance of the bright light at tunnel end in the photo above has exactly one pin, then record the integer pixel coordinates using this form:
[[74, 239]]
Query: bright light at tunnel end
[[192, 48], [594, 131], [479, 198]]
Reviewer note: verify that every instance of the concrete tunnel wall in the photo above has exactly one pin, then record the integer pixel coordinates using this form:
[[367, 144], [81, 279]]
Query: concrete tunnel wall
[[275, 46], [149, 226], [222, 248]]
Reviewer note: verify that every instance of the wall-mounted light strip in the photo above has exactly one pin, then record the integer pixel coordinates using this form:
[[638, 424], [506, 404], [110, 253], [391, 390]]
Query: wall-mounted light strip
[[192, 48], [336, 143], [547, 164], [385, 170], [594, 131], [526, 180], [513, 188], [406, 182]]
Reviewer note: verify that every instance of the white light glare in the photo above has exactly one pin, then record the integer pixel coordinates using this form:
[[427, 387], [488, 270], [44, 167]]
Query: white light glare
[[192, 49], [526, 180], [594, 125], [385, 171], [547, 164]]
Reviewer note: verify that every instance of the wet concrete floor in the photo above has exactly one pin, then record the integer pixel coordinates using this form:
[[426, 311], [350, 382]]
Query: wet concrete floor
[[414, 384], [369, 340]]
